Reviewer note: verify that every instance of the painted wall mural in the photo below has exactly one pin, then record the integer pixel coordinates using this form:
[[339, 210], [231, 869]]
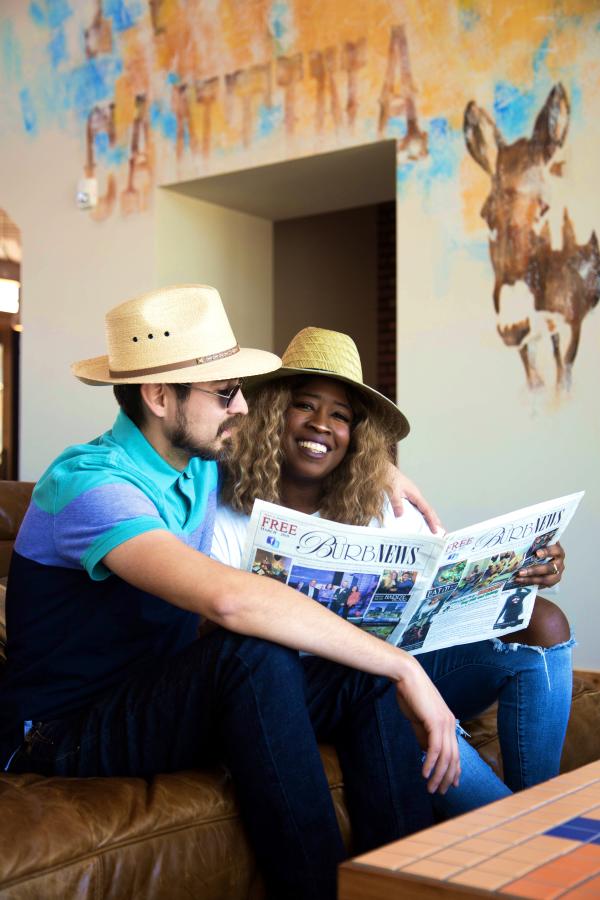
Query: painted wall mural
[[172, 89], [547, 285], [491, 104]]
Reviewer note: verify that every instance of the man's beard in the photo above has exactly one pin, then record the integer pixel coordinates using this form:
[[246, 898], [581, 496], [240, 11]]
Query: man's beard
[[182, 439]]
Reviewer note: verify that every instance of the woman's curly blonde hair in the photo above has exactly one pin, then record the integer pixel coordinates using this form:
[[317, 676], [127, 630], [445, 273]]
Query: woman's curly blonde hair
[[353, 493]]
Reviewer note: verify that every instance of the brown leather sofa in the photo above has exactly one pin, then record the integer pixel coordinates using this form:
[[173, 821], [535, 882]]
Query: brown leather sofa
[[178, 836]]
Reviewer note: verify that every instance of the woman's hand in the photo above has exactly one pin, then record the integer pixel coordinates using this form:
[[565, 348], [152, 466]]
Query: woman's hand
[[434, 725], [402, 488], [544, 574]]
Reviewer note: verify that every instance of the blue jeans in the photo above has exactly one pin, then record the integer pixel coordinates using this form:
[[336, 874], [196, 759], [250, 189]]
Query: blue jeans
[[261, 709], [479, 784], [533, 688]]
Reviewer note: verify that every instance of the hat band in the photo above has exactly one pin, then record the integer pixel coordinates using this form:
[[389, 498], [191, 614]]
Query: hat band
[[184, 364]]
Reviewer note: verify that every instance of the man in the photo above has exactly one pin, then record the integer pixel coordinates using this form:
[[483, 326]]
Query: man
[[311, 590], [109, 577], [406, 583], [339, 599]]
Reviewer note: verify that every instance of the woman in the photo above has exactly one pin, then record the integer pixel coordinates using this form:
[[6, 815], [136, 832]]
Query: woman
[[328, 438], [352, 601]]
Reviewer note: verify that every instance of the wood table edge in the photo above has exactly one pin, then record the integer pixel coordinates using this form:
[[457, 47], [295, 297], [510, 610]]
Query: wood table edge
[[359, 881]]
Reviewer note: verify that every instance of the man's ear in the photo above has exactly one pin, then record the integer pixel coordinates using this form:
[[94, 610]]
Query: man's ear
[[155, 398]]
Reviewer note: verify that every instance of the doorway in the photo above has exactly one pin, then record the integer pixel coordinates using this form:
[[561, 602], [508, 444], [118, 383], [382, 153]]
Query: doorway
[[10, 333], [305, 242]]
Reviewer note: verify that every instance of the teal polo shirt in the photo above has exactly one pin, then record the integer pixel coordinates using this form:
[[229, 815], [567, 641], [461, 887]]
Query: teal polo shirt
[[74, 628]]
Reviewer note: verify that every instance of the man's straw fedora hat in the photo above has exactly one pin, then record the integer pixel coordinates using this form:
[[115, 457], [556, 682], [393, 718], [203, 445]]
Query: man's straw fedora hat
[[173, 334], [318, 351]]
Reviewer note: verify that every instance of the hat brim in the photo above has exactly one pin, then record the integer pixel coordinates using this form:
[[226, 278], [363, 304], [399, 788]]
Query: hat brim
[[243, 364], [396, 419]]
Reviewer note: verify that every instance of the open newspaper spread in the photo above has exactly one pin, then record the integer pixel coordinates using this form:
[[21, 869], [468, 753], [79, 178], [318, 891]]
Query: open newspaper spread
[[421, 592]]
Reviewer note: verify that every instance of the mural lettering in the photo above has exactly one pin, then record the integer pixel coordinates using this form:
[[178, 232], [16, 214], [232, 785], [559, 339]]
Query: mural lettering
[[157, 16], [185, 129], [98, 37], [134, 198], [288, 72], [322, 66], [207, 91], [248, 104], [101, 121], [397, 97], [246, 85], [354, 57]]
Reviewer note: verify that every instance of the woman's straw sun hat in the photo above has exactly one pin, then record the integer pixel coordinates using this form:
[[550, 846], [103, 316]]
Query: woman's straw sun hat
[[174, 334], [332, 354]]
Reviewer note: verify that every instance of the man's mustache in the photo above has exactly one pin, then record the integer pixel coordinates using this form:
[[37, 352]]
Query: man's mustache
[[230, 424]]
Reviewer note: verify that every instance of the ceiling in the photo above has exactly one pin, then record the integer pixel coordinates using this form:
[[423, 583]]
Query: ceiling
[[359, 176]]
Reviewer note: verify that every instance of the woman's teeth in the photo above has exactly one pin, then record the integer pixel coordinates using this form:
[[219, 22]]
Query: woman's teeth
[[311, 445]]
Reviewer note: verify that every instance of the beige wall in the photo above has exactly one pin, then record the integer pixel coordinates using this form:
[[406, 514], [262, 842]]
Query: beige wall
[[326, 275], [208, 244], [73, 270]]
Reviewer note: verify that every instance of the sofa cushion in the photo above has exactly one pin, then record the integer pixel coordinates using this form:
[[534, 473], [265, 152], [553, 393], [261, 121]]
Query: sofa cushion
[[118, 837], [125, 837]]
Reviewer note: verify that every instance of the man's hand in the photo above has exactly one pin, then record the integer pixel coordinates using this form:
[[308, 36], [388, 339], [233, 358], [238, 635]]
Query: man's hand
[[434, 726], [401, 488], [548, 573]]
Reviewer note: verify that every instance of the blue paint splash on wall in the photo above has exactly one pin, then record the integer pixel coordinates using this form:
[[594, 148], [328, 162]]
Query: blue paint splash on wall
[[404, 174], [124, 15], [514, 110], [441, 165], [91, 83], [36, 14], [57, 48], [396, 127], [478, 250], [50, 13], [444, 160], [163, 121], [540, 57], [269, 120], [30, 121], [576, 101], [279, 24], [10, 53], [110, 156]]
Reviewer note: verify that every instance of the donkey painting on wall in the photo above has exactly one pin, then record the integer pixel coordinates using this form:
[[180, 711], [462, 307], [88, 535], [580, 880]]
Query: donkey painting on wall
[[538, 291]]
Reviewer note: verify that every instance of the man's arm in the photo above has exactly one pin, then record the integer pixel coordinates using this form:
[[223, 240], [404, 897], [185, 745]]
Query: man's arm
[[402, 488], [161, 564]]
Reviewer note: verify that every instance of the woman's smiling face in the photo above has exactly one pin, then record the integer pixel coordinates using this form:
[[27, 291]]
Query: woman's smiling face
[[318, 425]]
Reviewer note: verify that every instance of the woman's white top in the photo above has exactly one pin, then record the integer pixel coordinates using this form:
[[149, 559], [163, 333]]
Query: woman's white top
[[229, 535]]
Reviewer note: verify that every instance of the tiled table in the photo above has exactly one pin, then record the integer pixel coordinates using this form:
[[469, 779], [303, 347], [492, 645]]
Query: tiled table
[[542, 844]]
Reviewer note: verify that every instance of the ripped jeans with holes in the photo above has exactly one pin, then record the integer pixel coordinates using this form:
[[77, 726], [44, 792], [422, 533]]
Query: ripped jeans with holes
[[533, 687]]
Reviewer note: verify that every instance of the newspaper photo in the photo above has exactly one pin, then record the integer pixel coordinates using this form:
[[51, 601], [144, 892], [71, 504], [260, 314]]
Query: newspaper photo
[[418, 591]]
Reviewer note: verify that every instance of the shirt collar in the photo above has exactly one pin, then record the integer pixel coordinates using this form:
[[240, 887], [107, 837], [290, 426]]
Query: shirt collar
[[143, 454]]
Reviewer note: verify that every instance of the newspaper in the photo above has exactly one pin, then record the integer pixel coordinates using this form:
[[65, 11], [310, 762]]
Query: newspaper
[[418, 591]]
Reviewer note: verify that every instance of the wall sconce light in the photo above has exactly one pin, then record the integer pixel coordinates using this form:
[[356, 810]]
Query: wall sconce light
[[10, 286]]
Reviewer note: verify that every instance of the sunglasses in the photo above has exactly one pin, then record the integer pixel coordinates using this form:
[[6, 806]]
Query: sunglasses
[[226, 396]]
